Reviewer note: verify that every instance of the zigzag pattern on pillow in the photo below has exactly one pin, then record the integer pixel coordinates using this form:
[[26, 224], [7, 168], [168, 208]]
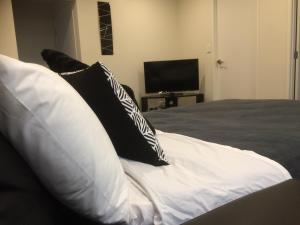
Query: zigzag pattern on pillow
[[134, 113]]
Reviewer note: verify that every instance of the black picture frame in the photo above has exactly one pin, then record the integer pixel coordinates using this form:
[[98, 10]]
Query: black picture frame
[[105, 28]]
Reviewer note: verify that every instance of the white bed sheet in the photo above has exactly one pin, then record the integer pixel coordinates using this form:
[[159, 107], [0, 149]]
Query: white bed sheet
[[142, 210], [201, 176]]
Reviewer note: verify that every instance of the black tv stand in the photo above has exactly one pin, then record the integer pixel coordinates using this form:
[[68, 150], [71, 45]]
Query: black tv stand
[[170, 99], [169, 94]]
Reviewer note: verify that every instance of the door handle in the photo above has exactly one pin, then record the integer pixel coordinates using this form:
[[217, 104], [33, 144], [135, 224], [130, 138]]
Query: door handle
[[220, 61]]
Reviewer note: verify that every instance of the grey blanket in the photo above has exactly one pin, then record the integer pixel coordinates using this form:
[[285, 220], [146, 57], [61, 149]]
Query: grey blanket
[[268, 127]]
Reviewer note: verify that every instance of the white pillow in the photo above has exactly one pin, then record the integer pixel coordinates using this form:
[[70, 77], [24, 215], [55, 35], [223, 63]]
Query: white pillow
[[62, 140]]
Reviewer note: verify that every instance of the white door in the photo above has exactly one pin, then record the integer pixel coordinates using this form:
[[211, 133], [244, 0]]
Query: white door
[[236, 48], [253, 48]]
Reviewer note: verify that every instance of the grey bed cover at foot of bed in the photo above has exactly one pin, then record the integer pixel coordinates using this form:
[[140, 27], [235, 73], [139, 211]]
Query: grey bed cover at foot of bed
[[269, 127]]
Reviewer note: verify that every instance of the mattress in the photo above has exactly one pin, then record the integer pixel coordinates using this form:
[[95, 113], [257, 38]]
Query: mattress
[[269, 127], [201, 176]]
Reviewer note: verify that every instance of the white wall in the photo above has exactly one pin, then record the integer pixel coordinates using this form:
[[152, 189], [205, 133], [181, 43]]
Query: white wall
[[34, 28], [8, 44], [65, 27], [195, 20], [143, 30], [45, 24]]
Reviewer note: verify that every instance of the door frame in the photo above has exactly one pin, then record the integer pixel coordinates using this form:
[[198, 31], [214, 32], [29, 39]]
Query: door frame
[[294, 77], [216, 80], [293, 43]]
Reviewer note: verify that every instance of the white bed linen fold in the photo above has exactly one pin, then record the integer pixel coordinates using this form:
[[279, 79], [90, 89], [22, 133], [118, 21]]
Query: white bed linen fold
[[201, 176], [142, 210]]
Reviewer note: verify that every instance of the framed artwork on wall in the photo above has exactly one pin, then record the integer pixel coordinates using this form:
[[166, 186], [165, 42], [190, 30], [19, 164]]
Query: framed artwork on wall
[[105, 28]]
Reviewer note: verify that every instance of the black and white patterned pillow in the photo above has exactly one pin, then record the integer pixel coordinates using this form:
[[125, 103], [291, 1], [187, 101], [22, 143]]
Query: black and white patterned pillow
[[134, 113], [123, 121]]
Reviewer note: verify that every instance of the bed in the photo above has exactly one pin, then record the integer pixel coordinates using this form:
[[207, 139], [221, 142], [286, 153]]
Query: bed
[[85, 173]]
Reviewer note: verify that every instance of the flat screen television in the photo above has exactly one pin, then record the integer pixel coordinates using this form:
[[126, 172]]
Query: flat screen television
[[171, 76]]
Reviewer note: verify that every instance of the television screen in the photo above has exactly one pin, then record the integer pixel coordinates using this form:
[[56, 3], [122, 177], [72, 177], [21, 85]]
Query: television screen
[[171, 75]]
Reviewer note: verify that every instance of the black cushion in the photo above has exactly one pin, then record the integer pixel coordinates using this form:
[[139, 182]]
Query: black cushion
[[61, 63], [130, 137], [276, 205], [23, 199]]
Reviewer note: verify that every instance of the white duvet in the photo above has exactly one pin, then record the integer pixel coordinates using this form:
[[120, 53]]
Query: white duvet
[[201, 176]]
